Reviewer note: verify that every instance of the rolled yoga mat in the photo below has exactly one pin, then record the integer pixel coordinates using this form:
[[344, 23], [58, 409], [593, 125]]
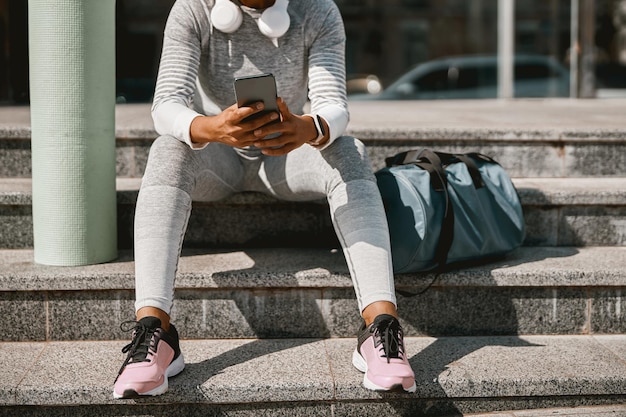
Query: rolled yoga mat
[[72, 92]]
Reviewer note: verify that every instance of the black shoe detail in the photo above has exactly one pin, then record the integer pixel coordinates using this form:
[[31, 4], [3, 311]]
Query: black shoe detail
[[386, 331], [147, 333]]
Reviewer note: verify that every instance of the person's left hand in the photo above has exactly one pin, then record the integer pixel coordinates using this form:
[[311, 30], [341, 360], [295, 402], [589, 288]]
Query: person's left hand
[[294, 132]]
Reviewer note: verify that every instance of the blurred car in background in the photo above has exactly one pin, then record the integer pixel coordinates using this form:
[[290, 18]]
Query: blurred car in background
[[474, 77]]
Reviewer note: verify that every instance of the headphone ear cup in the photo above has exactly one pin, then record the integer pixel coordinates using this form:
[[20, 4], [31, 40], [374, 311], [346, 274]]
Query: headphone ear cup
[[226, 16], [274, 22]]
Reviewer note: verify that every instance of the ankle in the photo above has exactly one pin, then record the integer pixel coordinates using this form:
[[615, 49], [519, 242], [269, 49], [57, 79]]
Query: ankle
[[375, 309], [155, 312]]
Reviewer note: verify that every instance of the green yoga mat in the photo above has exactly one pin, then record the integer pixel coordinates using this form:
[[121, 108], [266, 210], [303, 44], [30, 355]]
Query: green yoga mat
[[72, 88]]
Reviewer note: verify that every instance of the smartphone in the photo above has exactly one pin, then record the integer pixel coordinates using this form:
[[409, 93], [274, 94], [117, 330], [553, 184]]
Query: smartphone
[[254, 88]]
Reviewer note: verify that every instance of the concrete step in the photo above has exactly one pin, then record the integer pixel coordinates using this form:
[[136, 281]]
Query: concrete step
[[530, 138], [582, 411], [558, 212], [296, 293], [303, 377]]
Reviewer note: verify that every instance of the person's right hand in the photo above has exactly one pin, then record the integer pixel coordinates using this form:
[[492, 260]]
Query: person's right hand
[[228, 128]]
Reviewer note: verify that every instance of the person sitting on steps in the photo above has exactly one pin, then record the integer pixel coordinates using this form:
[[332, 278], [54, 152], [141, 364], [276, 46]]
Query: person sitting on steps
[[206, 152]]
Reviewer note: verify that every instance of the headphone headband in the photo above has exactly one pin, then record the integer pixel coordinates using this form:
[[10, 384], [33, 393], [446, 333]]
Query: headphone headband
[[227, 17]]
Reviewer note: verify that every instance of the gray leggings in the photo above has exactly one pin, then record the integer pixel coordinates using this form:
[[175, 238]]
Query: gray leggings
[[176, 175]]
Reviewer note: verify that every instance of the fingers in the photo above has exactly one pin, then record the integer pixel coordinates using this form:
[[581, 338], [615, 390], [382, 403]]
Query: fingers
[[241, 131], [243, 112], [266, 132], [250, 119], [288, 129], [282, 107]]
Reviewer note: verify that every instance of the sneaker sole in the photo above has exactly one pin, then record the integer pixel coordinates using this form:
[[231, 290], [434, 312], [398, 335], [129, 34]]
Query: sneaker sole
[[174, 369], [359, 363]]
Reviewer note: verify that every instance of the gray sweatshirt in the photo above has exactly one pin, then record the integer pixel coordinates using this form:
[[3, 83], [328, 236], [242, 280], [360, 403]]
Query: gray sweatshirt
[[199, 63]]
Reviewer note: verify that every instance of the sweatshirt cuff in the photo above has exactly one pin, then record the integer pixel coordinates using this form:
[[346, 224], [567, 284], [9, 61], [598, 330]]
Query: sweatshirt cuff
[[336, 118], [175, 119]]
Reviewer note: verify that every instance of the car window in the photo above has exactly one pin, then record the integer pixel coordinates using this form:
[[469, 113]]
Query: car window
[[477, 76], [533, 71], [457, 78], [433, 81]]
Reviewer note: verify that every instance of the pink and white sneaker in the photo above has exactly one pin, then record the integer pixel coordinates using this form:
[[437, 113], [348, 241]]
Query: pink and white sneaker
[[153, 356], [380, 355]]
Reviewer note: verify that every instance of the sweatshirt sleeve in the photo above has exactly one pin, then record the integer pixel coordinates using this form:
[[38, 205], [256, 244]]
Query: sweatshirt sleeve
[[172, 111], [327, 74]]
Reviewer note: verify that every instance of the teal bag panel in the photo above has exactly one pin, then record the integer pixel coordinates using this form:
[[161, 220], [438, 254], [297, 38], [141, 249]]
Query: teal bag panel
[[415, 214], [488, 221], [485, 217]]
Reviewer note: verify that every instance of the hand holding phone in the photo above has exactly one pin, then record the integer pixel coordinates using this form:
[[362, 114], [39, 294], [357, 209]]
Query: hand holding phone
[[287, 135], [255, 88]]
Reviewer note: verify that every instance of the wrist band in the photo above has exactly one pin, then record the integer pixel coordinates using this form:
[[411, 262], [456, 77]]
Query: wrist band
[[319, 127]]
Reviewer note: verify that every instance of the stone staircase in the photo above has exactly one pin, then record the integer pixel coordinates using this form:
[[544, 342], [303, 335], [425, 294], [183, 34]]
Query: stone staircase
[[267, 311]]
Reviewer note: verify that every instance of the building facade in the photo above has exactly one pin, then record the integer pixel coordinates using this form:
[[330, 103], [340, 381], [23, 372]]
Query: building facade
[[385, 39]]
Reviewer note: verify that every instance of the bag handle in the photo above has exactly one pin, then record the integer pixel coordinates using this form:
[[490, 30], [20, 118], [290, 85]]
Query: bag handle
[[467, 159], [442, 159], [402, 158], [429, 162]]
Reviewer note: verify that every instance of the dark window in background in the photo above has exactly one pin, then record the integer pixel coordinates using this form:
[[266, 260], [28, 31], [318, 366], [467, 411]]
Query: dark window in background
[[14, 52], [385, 39], [533, 71], [139, 35]]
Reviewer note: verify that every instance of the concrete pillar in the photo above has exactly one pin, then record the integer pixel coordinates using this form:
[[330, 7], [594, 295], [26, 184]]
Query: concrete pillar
[[587, 49], [574, 49], [506, 48], [72, 90]]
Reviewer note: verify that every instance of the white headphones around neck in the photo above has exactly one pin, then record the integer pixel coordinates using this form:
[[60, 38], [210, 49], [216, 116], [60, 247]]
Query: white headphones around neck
[[226, 17]]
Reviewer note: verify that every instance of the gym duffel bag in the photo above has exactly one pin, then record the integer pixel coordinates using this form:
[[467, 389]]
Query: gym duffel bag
[[445, 208]]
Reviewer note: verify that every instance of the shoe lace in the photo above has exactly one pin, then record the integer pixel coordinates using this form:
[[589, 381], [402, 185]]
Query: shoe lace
[[388, 333], [142, 344]]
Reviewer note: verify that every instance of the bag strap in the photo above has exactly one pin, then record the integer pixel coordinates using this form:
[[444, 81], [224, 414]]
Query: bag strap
[[402, 158], [474, 172], [447, 226], [483, 157], [442, 159]]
